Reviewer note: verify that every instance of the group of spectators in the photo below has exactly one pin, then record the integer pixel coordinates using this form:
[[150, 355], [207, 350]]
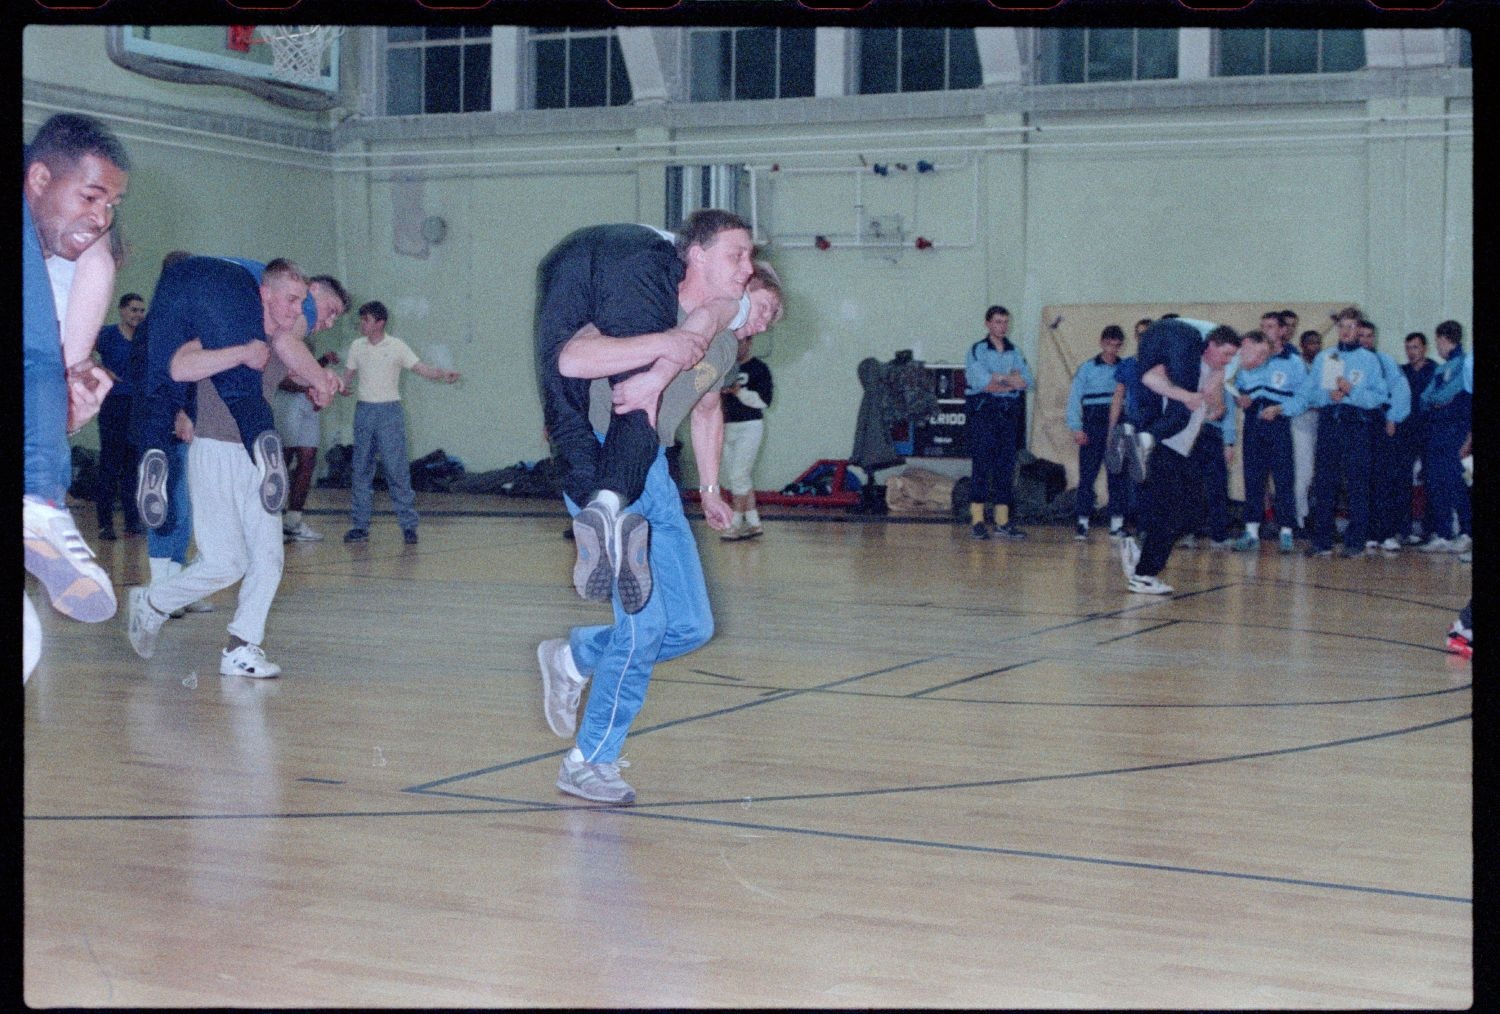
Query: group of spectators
[[1397, 426]]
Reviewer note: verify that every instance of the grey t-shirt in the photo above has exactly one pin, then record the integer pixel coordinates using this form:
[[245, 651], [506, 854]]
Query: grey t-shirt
[[689, 387], [214, 420]]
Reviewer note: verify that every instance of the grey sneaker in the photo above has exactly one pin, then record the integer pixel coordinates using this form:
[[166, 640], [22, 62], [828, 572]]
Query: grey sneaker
[[599, 782], [151, 487], [562, 686], [632, 545], [145, 622], [1140, 454], [1130, 555], [593, 573], [271, 464]]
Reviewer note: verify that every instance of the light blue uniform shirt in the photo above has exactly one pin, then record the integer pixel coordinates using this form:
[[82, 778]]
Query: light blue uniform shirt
[[1361, 368], [1276, 380], [984, 359], [1400, 391], [1093, 384]]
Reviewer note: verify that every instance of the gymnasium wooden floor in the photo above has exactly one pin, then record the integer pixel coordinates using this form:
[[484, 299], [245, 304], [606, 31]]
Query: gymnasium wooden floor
[[910, 770]]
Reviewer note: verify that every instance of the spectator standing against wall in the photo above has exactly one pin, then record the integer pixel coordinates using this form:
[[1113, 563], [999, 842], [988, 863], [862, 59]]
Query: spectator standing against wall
[[1088, 410], [745, 402], [996, 374]]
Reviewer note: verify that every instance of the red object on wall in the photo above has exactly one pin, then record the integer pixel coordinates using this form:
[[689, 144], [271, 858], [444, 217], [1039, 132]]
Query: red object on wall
[[240, 38]]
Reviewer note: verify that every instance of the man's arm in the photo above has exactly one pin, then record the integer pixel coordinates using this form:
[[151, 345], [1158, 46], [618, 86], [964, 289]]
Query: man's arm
[[192, 362], [322, 382], [1157, 382], [589, 354], [706, 424], [433, 373], [88, 301]]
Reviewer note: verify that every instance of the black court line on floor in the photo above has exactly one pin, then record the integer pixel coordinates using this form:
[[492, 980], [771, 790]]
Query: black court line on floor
[[651, 811], [966, 679], [1137, 633], [1122, 705]]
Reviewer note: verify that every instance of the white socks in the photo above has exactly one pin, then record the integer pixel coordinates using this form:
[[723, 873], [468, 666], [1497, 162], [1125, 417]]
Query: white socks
[[752, 518]]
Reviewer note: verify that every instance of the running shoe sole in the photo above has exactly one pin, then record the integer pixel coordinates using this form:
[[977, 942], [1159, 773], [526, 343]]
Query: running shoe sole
[[151, 488], [62, 561], [633, 542], [272, 465], [593, 574]]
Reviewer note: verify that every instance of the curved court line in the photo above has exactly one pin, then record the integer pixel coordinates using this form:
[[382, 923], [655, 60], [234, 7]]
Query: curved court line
[[924, 695], [649, 812], [1132, 864]]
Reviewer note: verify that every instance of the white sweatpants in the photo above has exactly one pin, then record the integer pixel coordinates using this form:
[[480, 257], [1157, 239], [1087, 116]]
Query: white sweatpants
[[237, 539], [1304, 445], [741, 445]]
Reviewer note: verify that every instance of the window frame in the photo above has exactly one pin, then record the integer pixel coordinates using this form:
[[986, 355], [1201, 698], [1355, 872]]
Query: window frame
[[422, 45], [568, 34], [856, 55]]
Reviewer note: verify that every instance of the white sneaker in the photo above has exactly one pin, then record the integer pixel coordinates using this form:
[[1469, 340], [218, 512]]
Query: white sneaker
[[1143, 585], [1462, 543], [270, 464], [562, 686], [1130, 555], [302, 533], [1391, 545], [145, 622], [31, 638], [247, 660], [1437, 544], [64, 563]]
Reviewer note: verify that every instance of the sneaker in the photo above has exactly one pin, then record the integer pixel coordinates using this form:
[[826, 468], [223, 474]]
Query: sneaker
[[247, 660], [593, 573], [599, 782], [1140, 449], [271, 464], [632, 541], [151, 487], [1459, 645], [64, 563], [1391, 545], [1220, 544], [1116, 534], [754, 531], [1285, 542], [979, 531], [1414, 539], [1246, 543], [1462, 543], [1081, 531], [409, 536], [1009, 531], [145, 622], [1143, 585], [1437, 544], [1117, 447], [302, 533], [733, 533], [357, 535], [562, 686], [107, 535], [1130, 555]]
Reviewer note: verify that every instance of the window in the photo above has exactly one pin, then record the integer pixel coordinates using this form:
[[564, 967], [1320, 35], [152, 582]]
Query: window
[[575, 67], [917, 60], [749, 63], [1081, 55], [1465, 48], [437, 70], [1245, 51]]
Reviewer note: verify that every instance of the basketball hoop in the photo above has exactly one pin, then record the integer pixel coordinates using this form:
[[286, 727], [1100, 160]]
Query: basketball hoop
[[297, 50]]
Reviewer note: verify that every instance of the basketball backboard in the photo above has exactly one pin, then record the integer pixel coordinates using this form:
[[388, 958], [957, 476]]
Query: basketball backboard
[[213, 47]]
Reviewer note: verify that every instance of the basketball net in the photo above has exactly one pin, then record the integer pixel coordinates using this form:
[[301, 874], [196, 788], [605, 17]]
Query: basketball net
[[297, 50]]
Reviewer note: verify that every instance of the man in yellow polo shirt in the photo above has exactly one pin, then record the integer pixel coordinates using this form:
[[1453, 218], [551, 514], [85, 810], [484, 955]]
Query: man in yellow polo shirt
[[377, 359]]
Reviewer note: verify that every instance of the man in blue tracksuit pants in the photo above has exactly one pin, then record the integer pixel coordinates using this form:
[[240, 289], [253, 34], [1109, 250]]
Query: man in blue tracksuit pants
[[996, 374], [1088, 417], [1346, 384], [1385, 478], [1263, 380], [1449, 421]]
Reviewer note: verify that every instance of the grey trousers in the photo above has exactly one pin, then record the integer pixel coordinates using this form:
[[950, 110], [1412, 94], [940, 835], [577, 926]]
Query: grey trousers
[[380, 428]]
